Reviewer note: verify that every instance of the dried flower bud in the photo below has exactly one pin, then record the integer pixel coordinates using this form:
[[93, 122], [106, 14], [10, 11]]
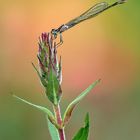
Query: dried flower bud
[[49, 67]]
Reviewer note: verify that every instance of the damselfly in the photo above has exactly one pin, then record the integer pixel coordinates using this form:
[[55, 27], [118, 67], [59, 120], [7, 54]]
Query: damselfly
[[92, 12]]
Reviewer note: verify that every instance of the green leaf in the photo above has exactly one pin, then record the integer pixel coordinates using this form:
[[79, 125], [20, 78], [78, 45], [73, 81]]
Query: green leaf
[[41, 108], [52, 86], [83, 133], [53, 89], [43, 81], [72, 105], [53, 131]]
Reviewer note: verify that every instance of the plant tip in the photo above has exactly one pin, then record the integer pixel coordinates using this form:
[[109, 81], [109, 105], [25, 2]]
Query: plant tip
[[121, 1]]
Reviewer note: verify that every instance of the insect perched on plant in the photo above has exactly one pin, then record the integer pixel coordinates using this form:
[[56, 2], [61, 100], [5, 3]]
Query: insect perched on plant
[[50, 75], [92, 12]]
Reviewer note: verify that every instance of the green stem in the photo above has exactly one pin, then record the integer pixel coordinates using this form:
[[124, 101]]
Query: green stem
[[59, 122]]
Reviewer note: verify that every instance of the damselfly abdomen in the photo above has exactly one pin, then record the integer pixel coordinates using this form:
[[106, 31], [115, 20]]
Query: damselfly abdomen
[[92, 12]]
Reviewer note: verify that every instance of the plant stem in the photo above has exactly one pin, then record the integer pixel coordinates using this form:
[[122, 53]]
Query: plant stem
[[59, 121]]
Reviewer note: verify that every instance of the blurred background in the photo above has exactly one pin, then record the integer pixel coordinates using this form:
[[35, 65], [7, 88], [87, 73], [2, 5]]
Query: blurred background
[[106, 47]]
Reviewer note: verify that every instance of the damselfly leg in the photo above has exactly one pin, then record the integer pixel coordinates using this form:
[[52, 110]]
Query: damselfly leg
[[60, 41]]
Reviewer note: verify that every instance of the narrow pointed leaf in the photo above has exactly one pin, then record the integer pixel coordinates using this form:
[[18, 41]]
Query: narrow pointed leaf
[[53, 131], [83, 133], [121, 1], [41, 108], [53, 89], [52, 86], [43, 81], [72, 105]]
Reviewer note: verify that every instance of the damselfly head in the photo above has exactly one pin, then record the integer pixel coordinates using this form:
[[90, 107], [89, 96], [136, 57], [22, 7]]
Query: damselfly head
[[54, 32]]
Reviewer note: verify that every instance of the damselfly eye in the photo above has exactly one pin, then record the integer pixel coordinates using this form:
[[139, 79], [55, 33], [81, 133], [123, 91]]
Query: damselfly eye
[[54, 33]]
